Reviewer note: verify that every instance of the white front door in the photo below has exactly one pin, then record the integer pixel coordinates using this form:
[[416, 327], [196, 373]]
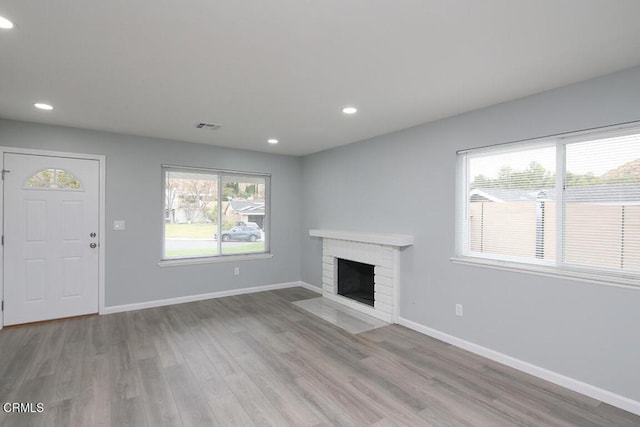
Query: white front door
[[51, 242]]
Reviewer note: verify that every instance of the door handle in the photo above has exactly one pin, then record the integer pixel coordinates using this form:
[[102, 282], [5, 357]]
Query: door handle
[[92, 245]]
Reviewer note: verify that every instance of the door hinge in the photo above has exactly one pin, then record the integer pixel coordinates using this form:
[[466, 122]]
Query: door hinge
[[2, 306], [2, 240], [3, 172]]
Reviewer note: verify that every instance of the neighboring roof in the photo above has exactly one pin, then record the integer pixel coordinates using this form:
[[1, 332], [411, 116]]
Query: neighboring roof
[[604, 193], [509, 194], [247, 207]]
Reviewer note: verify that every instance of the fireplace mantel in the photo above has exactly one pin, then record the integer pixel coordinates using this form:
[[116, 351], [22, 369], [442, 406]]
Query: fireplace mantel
[[382, 251], [398, 240]]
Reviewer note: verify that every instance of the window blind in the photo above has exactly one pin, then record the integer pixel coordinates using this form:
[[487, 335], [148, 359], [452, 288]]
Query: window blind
[[511, 204], [570, 202], [602, 204]]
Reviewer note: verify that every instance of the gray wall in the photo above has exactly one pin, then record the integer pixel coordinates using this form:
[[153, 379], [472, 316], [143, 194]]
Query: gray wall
[[133, 193], [399, 183], [405, 183]]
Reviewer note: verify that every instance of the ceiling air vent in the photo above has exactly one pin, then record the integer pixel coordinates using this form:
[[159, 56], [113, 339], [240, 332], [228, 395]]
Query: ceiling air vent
[[209, 126]]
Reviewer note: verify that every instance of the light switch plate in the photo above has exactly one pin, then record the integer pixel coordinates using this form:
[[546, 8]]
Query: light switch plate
[[118, 225]]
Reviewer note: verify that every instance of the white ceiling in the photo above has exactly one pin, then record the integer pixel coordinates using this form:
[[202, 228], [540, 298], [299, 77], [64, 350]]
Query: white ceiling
[[285, 68]]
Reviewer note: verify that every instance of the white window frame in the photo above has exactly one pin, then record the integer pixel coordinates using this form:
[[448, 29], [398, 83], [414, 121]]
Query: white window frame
[[220, 174], [555, 267]]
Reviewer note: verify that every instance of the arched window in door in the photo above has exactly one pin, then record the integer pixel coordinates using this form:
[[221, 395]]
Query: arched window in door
[[53, 179]]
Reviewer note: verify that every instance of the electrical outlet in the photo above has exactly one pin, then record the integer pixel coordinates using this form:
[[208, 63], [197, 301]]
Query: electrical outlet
[[236, 271], [459, 311]]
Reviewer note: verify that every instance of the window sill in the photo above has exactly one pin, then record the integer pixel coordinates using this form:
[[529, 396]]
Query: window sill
[[600, 279], [213, 260]]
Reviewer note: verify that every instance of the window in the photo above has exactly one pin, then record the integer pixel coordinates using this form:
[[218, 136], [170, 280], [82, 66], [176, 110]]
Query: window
[[53, 179], [209, 213], [569, 203]]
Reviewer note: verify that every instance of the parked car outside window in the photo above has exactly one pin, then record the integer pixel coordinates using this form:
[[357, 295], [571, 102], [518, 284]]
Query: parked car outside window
[[241, 233], [248, 224]]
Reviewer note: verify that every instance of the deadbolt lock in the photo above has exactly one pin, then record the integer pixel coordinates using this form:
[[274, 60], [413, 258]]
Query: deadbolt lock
[[92, 235], [92, 245]]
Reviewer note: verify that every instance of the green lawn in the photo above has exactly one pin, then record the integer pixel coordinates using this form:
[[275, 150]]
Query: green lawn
[[190, 252], [190, 231], [245, 248]]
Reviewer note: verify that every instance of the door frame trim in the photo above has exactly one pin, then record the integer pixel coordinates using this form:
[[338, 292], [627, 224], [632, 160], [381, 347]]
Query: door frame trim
[[101, 213]]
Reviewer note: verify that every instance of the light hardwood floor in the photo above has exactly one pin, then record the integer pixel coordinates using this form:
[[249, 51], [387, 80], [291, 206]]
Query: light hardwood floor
[[259, 360]]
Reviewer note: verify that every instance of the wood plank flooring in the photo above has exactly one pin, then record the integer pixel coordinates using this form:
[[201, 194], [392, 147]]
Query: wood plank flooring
[[259, 360]]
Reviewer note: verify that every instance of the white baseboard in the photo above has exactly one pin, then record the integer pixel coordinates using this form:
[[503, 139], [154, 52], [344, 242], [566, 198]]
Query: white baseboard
[[310, 287], [199, 297], [553, 377]]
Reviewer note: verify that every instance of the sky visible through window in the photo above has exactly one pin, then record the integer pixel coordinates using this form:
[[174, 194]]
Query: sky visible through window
[[627, 149]]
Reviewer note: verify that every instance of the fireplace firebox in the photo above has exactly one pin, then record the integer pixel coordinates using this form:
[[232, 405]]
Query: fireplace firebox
[[356, 281]]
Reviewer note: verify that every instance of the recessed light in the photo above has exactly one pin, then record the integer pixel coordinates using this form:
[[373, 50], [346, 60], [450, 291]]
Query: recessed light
[[349, 110], [43, 106], [272, 141], [5, 23]]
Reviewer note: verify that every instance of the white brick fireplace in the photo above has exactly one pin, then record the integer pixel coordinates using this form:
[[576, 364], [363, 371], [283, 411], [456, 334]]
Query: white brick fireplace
[[380, 250]]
